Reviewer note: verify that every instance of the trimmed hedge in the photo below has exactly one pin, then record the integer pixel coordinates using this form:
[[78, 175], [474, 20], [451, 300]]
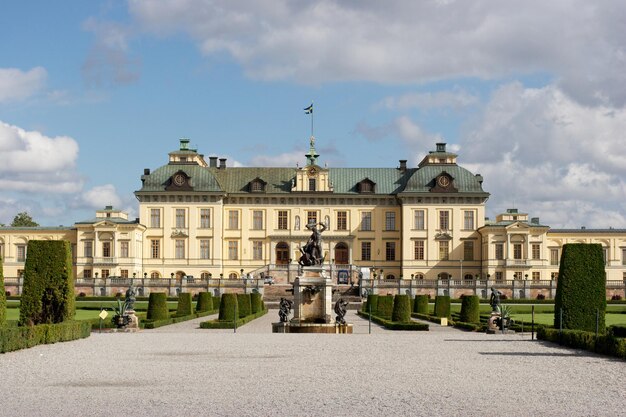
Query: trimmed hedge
[[581, 287], [256, 302], [420, 304], [470, 309], [442, 306], [384, 310], [157, 306], [401, 309], [430, 318], [244, 305], [3, 298], [216, 301], [22, 337], [184, 305], [228, 324], [227, 307], [48, 294], [372, 300], [205, 302], [395, 325], [153, 324], [618, 330], [606, 344]]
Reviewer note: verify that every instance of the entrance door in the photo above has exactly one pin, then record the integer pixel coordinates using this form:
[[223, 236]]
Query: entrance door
[[282, 253], [341, 254]]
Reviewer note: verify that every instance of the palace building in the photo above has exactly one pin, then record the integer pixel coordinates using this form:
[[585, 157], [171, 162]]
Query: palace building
[[209, 220]]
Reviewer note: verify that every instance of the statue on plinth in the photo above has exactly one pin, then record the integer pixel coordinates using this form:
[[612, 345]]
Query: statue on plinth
[[130, 299], [494, 301], [312, 252], [285, 308], [340, 310]]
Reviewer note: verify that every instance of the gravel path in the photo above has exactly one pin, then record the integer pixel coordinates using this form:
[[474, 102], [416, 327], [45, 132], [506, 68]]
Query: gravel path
[[181, 370]]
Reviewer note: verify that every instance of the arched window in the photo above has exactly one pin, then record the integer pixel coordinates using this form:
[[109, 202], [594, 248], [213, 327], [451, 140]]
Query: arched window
[[341, 254], [232, 275], [282, 253], [390, 276], [204, 275], [468, 277], [419, 276], [154, 275]]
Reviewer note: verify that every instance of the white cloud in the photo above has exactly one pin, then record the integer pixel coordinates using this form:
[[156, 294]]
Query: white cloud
[[456, 99], [578, 42], [285, 159], [16, 84], [32, 162], [100, 196]]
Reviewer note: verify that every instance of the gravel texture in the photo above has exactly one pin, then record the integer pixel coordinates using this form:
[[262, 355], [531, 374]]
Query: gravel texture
[[181, 370]]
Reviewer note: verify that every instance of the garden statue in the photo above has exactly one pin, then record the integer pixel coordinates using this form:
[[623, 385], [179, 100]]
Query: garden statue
[[312, 251], [340, 310], [130, 297], [495, 300], [285, 308]]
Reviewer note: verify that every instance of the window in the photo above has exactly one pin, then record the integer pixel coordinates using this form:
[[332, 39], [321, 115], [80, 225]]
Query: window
[[419, 250], [155, 275], [124, 249], [179, 252], [283, 223], [180, 218], [124, 273], [536, 276], [21, 253], [517, 251], [498, 275], [257, 220], [390, 220], [106, 249], [499, 251], [256, 186], [554, 275], [536, 248], [468, 250], [366, 187], [517, 275], [342, 220], [87, 273], [444, 246], [233, 219], [419, 276], [366, 221], [204, 275], [311, 184], [623, 256], [311, 217], [233, 250], [155, 246], [554, 256], [605, 254], [155, 217], [205, 218], [20, 273], [419, 220], [2, 250], [444, 220], [88, 249], [257, 250], [468, 220], [390, 251], [366, 251], [204, 249], [106, 273]]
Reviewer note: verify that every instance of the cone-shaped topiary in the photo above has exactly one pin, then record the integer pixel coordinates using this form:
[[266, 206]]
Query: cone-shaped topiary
[[442, 306], [581, 288], [157, 306], [48, 294], [205, 302], [372, 301], [256, 302], [228, 303], [184, 307], [244, 305], [385, 307], [420, 304], [470, 309], [3, 298], [401, 308]]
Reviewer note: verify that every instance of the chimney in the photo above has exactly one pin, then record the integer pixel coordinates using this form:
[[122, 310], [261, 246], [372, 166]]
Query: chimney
[[441, 147], [146, 171], [479, 178], [402, 165], [213, 161], [222, 163], [534, 220]]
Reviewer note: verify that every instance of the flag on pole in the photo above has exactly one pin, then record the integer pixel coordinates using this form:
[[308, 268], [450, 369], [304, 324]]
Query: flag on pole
[[309, 109]]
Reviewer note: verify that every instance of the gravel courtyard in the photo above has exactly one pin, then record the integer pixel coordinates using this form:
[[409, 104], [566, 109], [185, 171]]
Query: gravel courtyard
[[181, 370]]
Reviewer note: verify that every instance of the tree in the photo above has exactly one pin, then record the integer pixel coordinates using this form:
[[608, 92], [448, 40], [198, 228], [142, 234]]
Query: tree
[[23, 219]]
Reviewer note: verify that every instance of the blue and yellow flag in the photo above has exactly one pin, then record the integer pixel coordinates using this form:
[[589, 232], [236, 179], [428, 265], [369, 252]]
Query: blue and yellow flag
[[309, 109]]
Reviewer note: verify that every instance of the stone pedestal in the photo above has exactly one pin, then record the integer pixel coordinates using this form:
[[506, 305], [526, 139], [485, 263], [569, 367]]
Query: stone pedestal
[[313, 297], [134, 320]]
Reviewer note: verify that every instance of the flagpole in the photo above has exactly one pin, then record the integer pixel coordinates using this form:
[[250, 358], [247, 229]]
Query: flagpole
[[312, 118]]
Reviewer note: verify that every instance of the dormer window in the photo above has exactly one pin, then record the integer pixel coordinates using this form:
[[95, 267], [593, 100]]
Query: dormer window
[[257, 185], [366, 186]]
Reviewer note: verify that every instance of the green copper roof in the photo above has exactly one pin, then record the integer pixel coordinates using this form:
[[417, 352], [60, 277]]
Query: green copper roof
[[387, 180], [464, 181], [236, 180], [201, 179]]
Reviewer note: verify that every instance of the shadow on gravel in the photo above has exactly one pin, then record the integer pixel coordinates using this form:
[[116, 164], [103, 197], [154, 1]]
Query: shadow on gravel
[[489, 340], [576, 354]]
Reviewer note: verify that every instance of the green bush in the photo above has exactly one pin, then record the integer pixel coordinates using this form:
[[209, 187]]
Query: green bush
[[244, 307], [371, 305], [48, 294], [470, 309], [256, 302], [3, 298], [618, 330], [606, 344], [401, 308], [157, 306], [420, 304], [205, 302], [581, 287], [385, 307], [395, 325], [442, 306], [216, 302], [227, 307], [184, 304], [15, 338]]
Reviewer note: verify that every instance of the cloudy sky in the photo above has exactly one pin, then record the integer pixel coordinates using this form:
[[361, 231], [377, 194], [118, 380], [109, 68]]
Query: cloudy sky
[[531, 95]]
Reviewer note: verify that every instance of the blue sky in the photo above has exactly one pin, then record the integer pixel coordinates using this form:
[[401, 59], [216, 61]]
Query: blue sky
[[531, 96]]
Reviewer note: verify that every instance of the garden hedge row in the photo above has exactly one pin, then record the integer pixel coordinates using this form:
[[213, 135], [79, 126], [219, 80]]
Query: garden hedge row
[[420, 304], [606, 344], [153, 324], [256, 302], [22, 337], [244, 305], [184, 307], [395, 325], [205, 302], [470, 309], [442, 306], [401, 309], [384, 308], [224, 324], [157, 306], [228, 304], [371, 305]]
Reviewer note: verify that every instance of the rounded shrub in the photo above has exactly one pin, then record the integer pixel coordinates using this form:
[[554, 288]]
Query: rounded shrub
[[184, 304], [442, 306], [227, 307], [385, 307], [157, 306], [244, 305], [420, 304], [205, 302], [470, 309], [256, 302], [401, 308], [372, 301]]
